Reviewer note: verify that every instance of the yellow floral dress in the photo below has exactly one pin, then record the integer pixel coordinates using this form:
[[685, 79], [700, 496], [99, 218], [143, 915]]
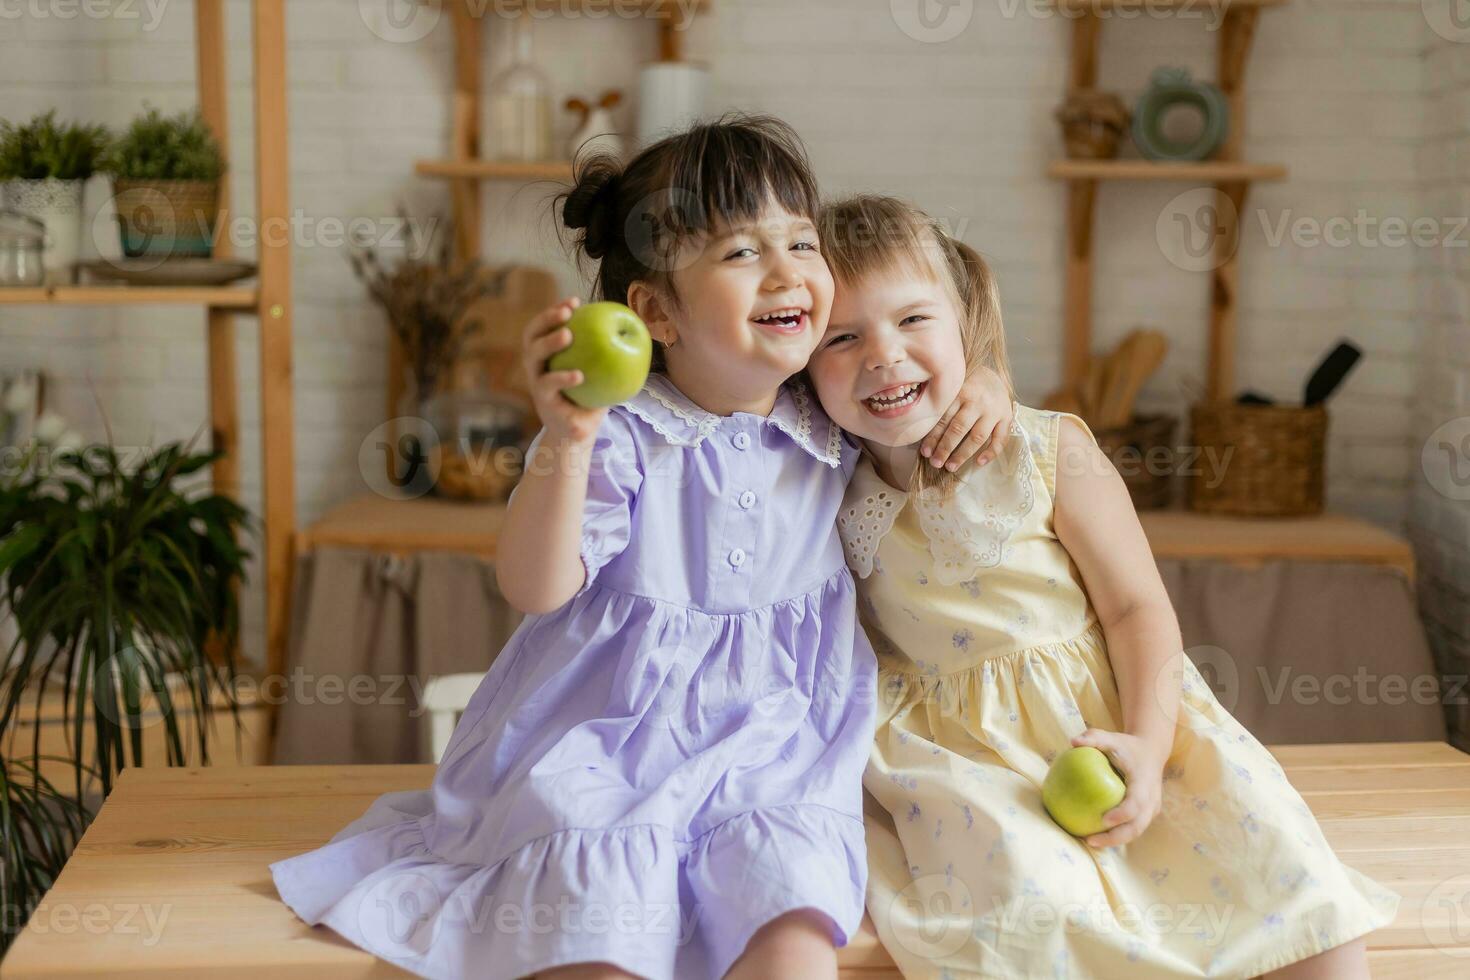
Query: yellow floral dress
[[991, 659]]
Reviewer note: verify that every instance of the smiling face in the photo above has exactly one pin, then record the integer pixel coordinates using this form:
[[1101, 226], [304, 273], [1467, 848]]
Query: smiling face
[[753, 300], [892, 358]]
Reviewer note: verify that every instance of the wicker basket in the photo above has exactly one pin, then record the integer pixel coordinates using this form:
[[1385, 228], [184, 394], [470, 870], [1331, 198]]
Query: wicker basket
[[171, 218], [481, 477], [1092, 124], [1143, 454], [1258, 460]]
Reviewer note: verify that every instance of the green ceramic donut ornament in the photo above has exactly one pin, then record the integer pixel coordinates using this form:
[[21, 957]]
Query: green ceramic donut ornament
[[1167, 88]]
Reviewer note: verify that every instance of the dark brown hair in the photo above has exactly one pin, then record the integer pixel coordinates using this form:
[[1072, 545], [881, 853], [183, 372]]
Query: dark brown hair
[[868, 234], [634, 219]]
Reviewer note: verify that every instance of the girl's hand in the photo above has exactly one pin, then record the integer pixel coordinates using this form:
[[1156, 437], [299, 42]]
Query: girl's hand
[[564, 419], [981, 413], [1142, 766]]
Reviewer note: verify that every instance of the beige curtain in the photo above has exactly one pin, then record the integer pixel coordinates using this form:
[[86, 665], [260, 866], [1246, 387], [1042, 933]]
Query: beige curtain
[[368, 630], [1298, 651], [1310, 651]]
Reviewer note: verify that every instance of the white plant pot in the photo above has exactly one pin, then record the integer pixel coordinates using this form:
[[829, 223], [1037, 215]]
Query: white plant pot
[[58, 204]]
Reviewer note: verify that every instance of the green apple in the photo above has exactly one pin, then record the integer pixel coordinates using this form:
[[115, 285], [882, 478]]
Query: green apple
[[612, 349], [1079, 788]]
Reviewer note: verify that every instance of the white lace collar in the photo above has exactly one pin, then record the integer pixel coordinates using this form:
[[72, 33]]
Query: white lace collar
[[966, 532], [670, 413]]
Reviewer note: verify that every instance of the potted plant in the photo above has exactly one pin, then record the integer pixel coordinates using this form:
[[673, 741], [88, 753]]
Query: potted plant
[[166, 173], [120, 586], [44, 166]]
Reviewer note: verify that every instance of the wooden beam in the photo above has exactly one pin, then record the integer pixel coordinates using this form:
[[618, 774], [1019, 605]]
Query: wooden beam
[[670, 41], [1234, 48], [1237, 32], [1225, 291], [465, 134], [276, 415], [1083, 73], [1077, 302], [209, 47], [1199, 172], [224, 425]]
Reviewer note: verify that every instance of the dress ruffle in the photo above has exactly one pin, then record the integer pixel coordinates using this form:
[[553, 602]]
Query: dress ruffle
[[380, 886]]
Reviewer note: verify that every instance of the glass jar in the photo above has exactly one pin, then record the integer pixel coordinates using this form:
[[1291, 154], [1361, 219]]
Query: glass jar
[[519, 124]]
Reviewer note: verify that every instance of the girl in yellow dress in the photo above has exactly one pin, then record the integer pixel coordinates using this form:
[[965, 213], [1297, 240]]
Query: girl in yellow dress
[[1016, 611]]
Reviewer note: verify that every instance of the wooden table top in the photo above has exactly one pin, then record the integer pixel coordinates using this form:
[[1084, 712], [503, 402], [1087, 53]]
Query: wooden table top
[[172, 878]]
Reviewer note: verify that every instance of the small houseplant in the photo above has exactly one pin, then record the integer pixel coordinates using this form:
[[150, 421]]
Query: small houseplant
[[120, 587], [166, 172], [44, 166]]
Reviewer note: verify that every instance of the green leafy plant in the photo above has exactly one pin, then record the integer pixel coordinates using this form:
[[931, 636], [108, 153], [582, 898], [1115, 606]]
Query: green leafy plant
[[44, 148], [120, 587], [158, 147]]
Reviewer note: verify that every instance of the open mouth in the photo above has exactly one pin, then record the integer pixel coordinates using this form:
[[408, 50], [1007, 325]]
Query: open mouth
[[893, 402], [788, 321]]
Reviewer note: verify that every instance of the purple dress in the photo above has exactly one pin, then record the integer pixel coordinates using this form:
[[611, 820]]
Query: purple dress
[[671, 759]]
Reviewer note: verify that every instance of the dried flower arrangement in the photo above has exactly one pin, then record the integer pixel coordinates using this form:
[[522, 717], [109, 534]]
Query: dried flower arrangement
[[427, 296]]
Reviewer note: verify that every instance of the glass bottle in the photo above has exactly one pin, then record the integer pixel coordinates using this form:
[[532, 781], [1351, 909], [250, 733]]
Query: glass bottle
[[520, 106]]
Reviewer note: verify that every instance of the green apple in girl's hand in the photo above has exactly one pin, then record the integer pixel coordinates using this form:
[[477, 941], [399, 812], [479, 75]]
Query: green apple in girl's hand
[[1079, 788], [612, 348]]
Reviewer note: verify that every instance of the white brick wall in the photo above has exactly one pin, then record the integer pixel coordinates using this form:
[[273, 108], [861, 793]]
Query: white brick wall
[[1439, 498], [1360, 98]]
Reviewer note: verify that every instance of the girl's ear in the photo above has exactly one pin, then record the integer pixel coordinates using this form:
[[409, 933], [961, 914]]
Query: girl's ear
[[654, 311]]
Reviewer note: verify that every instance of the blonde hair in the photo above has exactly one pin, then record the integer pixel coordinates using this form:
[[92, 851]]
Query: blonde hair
[[871, 234]]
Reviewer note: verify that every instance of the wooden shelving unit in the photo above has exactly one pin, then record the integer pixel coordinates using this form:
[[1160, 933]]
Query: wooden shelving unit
[[1077, 6], [1207, 172], [244, 298], [464, 168], [402, 526], [269, 298], [1230, 176], [1182, 534]]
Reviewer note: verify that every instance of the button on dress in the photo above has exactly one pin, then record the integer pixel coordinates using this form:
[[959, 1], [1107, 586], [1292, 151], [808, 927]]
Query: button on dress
[[991, 658], [674, 757]]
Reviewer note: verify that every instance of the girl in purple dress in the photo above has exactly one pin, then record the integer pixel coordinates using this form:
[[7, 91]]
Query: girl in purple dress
[[661, 774]]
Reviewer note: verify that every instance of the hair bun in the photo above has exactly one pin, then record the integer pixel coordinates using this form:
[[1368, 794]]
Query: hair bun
[[591, 204]]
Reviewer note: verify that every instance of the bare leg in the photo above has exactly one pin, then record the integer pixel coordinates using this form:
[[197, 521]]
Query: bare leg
[[1346, 962], [585, 971], [794, 946]]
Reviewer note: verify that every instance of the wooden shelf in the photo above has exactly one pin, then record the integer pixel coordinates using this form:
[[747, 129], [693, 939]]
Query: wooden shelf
[[1186, 534], [375, 523], [1186, 6], [656, 9], [495, 169], [216, 297], [1204, 172]]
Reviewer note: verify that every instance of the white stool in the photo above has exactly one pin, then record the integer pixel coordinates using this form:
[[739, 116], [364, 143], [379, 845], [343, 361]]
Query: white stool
[[445, 699]]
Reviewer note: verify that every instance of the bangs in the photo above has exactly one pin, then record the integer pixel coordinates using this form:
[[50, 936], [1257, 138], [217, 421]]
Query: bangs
[[724, 176], [867, 237]]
